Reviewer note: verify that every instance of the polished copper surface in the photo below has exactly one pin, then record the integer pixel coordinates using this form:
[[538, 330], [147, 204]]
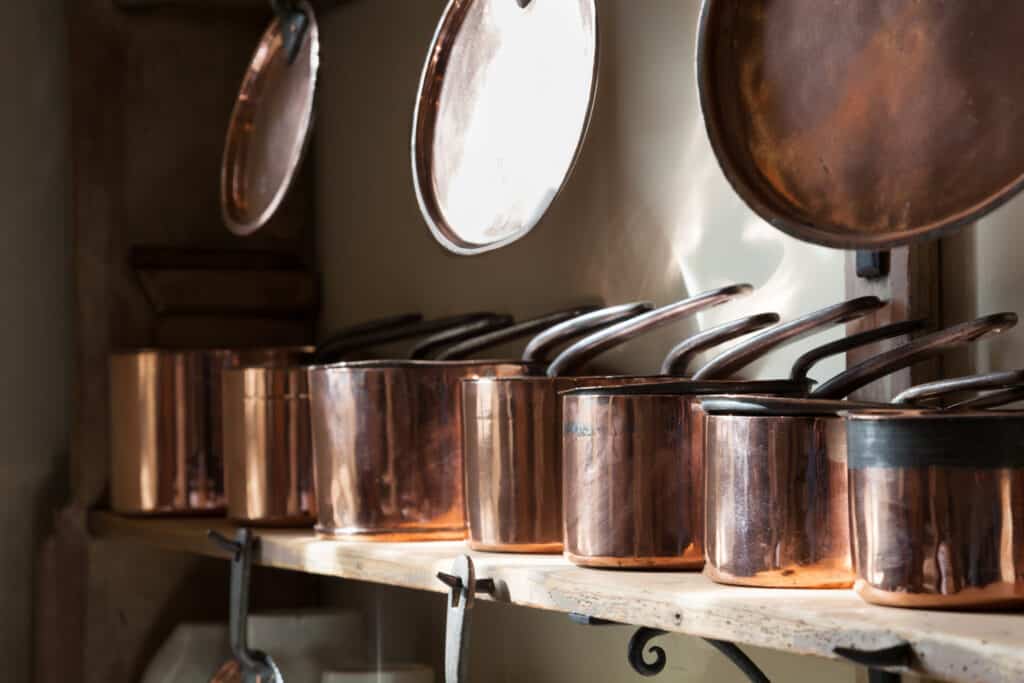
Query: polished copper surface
[[502, 109], [268, 454], [776, 491], [938, 537], [513, 459], [269, 127], [937, 507], [862, 125], [387, 445], [166, 428], [633, 486]]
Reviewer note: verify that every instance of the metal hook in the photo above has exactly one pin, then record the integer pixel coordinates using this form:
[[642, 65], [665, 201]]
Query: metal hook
[[899, 655], [464, 587], [255, 665], [523, 3], [293, 24]]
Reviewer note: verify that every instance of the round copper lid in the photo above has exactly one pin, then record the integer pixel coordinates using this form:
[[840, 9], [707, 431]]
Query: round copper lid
[[865, 125], [503, 106], [271, 120]]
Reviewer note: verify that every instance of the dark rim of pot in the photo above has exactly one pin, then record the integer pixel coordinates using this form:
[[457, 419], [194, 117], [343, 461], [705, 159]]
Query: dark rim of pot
[[699, 387]]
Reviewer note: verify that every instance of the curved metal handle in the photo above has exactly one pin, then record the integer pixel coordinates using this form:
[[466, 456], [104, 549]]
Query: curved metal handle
[[682, 354], [427, 347], [1005, 379], [993, 399], [868, 371], [369, 327], [467, 348], [337, 350], [582, 351], [540, 346], [804, 363], [742, 355]]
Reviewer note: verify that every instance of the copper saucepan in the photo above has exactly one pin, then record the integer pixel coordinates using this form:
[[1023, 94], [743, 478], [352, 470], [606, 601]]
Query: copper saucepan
[[937, 501], [776, 507], [387, 441], [511, 432], [268, 456], [165, 433], [633, 455], [167, 430]]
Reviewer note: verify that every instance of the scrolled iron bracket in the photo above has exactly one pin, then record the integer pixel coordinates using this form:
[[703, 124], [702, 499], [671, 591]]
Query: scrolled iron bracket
[[900, 655], [638, 645]]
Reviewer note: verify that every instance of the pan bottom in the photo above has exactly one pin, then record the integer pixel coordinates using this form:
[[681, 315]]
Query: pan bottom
[[683, 562], [289, 522], [522, 548], [390, 535], [820, 576], [1005, 595]]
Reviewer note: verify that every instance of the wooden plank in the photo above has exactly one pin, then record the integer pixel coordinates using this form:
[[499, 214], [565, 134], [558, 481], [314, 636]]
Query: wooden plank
[[955, 647], [912, 287], [285, 293]]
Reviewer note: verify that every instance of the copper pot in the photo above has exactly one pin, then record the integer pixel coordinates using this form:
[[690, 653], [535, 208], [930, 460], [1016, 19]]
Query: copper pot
[[512, 435], [776, 507], [387, 440], [937, 506], [166, 437], [633, 456], [268, 455]]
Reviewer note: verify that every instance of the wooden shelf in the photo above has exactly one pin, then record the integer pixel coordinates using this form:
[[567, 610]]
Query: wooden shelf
[[950, 646]]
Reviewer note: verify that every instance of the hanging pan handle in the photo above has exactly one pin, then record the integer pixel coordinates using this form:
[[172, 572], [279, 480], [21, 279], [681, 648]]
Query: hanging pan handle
[[742, 355], [682, 354], [1004, 379], [582, 351], [540, 347], [845, 383], [337, 349], [468, 347], [434, 343], [804, 363]]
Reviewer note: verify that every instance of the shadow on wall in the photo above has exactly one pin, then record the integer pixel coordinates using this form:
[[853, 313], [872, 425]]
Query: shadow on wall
[[646, 215]]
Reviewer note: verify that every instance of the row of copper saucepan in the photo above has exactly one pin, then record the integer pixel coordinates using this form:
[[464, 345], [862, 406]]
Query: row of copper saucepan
[[639, 472]]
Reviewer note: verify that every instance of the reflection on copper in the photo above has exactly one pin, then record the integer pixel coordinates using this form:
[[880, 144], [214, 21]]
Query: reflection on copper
[[776, 493], [387, 444], [939, 537], [166, 428], [503, 105], [633, 481], [268, 455]]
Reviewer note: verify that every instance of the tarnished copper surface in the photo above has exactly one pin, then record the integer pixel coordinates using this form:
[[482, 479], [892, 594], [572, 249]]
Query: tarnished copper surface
[[633, 487], [865, 124], [166, 429], [268, 454], [269, 127], [503, 105], [776, 492], [387, 447]]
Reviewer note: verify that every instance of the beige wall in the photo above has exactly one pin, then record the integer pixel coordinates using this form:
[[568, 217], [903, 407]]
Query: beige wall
[[34, 305], [647, 214]]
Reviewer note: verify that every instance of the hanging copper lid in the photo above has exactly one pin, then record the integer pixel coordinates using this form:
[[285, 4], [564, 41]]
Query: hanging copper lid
[[865, 125], [271, 121], [502, 110]]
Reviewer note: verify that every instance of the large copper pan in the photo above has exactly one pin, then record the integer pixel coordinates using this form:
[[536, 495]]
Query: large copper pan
[[776, 506], [633, 455], [387, 440], [512, 432], [865, 124], [937, 503]]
